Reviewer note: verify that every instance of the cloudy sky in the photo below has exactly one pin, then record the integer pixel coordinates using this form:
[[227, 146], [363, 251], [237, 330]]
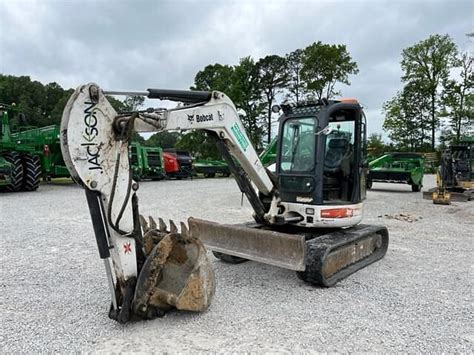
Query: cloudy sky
[[140, 44]]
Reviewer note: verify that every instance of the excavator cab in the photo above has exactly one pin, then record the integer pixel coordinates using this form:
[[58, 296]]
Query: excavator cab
[[321, 153], [320, 176]]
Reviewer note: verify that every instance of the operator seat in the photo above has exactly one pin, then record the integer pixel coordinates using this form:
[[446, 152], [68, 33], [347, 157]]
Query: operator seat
[[336, 155]]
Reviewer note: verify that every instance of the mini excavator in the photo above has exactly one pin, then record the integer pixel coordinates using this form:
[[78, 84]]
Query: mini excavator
[[307, 212], [455, 175]]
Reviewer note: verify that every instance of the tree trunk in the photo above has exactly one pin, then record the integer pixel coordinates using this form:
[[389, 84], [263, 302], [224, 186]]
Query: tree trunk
[[459, 117], [458, 127], [433, 122], [422, 126], [269, 137]]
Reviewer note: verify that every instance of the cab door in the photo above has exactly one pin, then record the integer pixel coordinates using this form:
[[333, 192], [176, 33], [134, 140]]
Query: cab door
[[364, 164]]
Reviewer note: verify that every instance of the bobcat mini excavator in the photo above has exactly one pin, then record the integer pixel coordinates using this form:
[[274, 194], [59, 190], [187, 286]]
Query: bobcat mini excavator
[[307, 212]]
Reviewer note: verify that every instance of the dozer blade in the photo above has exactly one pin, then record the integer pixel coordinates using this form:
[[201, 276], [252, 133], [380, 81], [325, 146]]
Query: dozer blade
[[428, 195], [448, 196], [266, 246], [461, 196], [441, 198], [322, 259], [176, 274]]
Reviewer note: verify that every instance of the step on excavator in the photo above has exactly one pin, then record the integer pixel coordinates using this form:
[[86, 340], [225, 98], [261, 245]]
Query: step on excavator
[[307, 212]]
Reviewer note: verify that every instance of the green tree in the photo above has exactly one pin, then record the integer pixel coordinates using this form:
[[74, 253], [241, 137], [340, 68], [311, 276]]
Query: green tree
[[395, 122], [296, 89], [375, 145], [214, 77], [117, 104], [41, 104], [416, 108], [325, 65], [58, 108], [133, 103], [199, 145], [458, 100], [273, 77], [54, 94], [428, 62], [246, 95], [163, 139], [403, 119], [27, 95], [241, 84]]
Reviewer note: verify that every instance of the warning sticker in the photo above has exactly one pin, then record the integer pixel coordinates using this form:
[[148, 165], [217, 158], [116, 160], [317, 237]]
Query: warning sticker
[[127, 248]]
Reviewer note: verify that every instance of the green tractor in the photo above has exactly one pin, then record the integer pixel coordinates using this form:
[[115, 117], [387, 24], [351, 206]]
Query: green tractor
[[402, 168], [209, 167], [147, 162], [5, 172], [268, 156], [20, 165], [45, 141]]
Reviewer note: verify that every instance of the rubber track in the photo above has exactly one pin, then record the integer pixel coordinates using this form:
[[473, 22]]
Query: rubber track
[[32, 172], [319, 248], [16, 173]]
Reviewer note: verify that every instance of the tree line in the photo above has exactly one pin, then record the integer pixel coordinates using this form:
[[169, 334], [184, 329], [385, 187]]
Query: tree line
[[43, 105], [437, 99], [254, 85]]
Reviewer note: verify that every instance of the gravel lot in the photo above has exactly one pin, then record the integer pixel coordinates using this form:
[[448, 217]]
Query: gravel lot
[[419, 298]]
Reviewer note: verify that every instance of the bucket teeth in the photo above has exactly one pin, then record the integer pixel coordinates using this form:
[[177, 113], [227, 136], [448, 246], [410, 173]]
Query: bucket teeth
[[152, 222], [144, 224], [162, 225], [184, 230], [173, 228]]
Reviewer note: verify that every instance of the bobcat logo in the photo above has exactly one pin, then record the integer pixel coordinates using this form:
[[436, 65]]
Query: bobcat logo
[[204, 118], [191, 118]]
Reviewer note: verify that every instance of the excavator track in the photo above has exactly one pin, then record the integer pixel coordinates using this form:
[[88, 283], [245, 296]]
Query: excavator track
[[320, 257], [336, 255]]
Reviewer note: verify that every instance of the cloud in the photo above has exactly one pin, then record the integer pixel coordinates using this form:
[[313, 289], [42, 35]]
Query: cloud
[[139, 44]]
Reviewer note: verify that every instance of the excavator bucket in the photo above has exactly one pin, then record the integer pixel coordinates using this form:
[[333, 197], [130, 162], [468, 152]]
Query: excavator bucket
[[176, 273], [441, 197], [445, 197]]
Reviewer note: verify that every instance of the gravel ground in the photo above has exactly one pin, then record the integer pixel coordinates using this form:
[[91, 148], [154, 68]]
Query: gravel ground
[[54, 295]]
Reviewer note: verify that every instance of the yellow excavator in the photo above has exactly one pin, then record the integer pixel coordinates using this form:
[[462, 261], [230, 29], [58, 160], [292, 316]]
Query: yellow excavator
[[307, 212], [455, 175]]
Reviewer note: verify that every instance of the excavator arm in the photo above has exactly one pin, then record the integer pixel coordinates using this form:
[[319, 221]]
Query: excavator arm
[[101, 136], [215, 113], [95, 144]]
